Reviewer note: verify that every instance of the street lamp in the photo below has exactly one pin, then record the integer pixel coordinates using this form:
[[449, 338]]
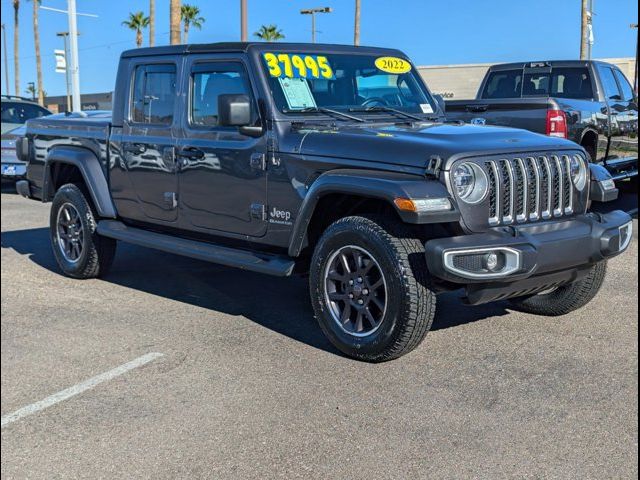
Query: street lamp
[[312, 12]]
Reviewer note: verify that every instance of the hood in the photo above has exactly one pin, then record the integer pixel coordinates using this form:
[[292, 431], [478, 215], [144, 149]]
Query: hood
[[413, 145]]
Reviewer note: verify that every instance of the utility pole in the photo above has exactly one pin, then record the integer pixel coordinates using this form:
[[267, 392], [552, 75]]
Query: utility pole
[[6, 61], [584, 29], [356, 27], [244, 35], [312, 12], [73, 65]]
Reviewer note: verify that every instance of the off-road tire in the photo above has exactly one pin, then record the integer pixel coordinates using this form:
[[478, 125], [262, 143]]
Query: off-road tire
[[565, 299], [97, 251], [411, 305]]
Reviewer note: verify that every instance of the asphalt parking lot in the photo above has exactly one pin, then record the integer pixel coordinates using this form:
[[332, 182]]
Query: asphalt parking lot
[[246, 385]]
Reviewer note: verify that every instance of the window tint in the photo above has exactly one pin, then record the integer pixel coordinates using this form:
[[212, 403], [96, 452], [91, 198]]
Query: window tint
[[560, 82], [609, 84], [625, 87], [503, 84], [16, 112], [154, 93], [209, 82]]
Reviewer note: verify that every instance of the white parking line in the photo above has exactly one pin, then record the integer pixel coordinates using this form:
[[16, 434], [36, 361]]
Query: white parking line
[[78, 388]]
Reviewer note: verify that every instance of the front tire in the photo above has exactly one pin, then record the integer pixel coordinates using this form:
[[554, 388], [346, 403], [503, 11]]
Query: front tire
[[565, 299], [78, 249], [369, 290]]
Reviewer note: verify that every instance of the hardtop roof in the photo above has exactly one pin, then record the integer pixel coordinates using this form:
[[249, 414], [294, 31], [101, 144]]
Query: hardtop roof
[[243, 47]]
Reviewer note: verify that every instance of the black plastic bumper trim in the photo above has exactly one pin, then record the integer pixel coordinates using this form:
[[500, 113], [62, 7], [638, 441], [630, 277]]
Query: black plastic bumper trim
[[545, 248]]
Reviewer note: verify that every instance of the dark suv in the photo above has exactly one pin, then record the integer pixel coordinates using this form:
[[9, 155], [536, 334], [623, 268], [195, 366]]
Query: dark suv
[[330, 161]]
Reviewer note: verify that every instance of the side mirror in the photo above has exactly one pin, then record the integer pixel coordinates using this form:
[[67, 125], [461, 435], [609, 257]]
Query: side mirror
[[441, 103], [234, 110]]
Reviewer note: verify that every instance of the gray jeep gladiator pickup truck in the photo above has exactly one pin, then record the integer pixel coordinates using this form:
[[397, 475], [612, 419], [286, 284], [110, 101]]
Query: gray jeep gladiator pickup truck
[[331, 161], [589, 102]]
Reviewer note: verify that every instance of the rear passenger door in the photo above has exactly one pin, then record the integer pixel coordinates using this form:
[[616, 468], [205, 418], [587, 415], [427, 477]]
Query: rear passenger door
[[616, 108], [223, 183], [145, 185], [627, 118]]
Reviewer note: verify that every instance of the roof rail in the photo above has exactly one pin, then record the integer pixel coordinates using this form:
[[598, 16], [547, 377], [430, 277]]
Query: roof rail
[[17, 97]]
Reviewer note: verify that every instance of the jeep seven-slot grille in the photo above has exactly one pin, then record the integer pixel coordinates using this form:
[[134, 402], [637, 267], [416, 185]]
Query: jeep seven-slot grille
[[528, 189]]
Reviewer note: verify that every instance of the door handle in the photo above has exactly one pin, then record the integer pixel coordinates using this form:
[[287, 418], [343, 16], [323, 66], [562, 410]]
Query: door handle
[[190, 153]]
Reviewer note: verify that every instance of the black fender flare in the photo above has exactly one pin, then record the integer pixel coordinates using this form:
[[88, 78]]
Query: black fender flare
[[386, 186], [90, 169]]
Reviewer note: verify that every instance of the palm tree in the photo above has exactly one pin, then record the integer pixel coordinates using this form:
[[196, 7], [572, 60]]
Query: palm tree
[[269, 33], [190, 15], [16, 50], [31, 90], [356, 27], [137, 21], [36, 42], [152, 23], [174, 21]]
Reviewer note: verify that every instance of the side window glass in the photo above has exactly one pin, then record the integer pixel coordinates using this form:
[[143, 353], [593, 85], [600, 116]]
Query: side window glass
[[208, 83], [154, 93], [609, 84], [625, 86]]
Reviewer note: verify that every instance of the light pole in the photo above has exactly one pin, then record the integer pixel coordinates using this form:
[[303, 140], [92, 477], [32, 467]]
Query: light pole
[[312, 12], [6, 64], [65, 35], [635, 73], [73, 64]]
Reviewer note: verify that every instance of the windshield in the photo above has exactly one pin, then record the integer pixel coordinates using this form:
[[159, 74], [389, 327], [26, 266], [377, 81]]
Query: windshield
[[308, 82]]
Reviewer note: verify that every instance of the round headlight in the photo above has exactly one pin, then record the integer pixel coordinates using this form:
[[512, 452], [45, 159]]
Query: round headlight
[[578, 171], [470, 182]]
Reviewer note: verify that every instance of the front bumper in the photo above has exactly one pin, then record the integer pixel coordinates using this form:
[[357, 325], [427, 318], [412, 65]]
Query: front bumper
[[534, 257]]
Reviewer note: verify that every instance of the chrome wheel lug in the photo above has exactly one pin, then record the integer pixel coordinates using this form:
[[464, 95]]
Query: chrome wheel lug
[[360, 302], [351, 295], [359, 279], [365, 292], [350, 282]]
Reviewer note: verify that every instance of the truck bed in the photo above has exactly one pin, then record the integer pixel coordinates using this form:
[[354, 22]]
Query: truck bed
[[527, 113], [89, 130]]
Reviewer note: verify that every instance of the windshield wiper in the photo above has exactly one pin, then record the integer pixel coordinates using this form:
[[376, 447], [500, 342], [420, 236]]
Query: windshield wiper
[[380, 108], [326, 111]]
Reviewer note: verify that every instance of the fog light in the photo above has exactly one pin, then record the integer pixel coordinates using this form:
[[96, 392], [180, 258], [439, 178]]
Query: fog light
[[626, 234], [491, 262], [608, 184]]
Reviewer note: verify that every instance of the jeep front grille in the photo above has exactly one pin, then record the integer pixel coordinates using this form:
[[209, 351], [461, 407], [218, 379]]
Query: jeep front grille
[[529, 189]]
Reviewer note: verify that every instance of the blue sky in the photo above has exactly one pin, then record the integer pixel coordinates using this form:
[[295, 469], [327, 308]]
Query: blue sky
[[432, 32]]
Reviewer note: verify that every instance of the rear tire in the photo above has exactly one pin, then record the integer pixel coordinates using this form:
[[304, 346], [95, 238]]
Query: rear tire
[[78, 249], [378, 307], [566, 299]]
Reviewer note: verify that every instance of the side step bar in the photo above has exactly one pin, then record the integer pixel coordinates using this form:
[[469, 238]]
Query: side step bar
[[280, 266]]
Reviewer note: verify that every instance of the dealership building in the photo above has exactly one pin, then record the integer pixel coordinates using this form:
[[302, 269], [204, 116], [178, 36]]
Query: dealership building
[[462, 81]]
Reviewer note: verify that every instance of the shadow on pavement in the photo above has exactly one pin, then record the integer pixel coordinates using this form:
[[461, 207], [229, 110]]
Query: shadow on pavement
[[279, 304]]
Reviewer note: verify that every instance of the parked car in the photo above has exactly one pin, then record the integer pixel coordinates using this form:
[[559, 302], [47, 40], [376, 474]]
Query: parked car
[[588, 102], [331, 161], [15, 112]]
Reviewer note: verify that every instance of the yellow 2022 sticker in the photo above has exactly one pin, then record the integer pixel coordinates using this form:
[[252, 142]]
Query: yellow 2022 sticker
[[393, 65], [281, 65]]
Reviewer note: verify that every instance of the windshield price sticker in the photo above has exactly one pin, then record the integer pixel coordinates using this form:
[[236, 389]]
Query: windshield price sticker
[[393, 65], [284, 65]]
